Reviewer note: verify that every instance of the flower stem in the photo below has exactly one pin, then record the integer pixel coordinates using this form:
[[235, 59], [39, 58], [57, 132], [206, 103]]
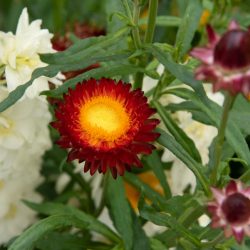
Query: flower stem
[[153, 7], [220, 137], [149, 35], [135, 31]]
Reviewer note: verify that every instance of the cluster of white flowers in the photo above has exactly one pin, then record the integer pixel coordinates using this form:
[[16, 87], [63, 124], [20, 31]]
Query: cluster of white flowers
[[24, 134]]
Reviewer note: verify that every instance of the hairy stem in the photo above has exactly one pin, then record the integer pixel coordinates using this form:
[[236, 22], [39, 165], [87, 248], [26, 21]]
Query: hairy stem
[[220, 137]]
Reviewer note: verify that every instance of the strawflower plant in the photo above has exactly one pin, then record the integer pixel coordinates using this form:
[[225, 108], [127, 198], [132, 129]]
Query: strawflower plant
[[124, 126]]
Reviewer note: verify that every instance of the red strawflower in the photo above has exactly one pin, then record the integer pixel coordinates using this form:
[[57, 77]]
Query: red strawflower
[[105, 124], [231, 210], [226, 60]]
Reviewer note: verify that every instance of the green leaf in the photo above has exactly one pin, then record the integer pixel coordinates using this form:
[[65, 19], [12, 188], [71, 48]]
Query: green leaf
[[240, 114], [188, 26], [163, 219], [181, 72], [141, 241], [61, 241], [66, 241], [28, 239], [120, 210], [15, 95], [170, 143], [213, 112], [151, 194], [157, 245], [85, 48], [177, 132], [156, 165], [105, 71], [89, 221]]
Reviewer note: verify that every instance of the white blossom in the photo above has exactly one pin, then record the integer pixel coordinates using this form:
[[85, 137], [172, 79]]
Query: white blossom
[[19, 55], [24, 137], [15, 216]]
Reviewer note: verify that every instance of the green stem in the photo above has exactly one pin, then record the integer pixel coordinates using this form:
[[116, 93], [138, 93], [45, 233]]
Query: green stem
[[220, 137], [153, 7], [103, 200], [135, 30]]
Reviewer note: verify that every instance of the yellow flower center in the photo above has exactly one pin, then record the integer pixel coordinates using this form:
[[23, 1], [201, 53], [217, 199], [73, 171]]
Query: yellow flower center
[[31, 62], [104, 119], [11, 212]]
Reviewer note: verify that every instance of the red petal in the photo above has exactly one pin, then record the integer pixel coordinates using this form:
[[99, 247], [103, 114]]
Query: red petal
[[212, 36], [231, 187], [94, 166], [87, 166], [238, 234]]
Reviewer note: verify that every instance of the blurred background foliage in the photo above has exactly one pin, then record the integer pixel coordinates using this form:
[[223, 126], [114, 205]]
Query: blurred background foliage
[[57, 15]]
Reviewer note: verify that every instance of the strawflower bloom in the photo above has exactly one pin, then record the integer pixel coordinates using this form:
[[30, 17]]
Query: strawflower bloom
[[231, 210], [226, 60], [105, 124]]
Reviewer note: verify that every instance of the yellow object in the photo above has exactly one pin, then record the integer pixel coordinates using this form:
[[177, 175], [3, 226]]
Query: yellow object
[[104, 119], [133, 194], [205, 17]]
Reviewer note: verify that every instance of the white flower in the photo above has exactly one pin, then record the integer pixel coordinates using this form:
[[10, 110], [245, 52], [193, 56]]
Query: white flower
[[24, 134], [19, 54], [23, 121], [14, 215], [24, 137]]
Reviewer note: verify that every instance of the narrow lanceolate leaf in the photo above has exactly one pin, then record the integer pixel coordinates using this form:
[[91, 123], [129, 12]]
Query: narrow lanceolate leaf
[[178, 133], [85, 48], [120, 210], [188, 26], [155, 164], [213, 112], [15, 95], [181, 72], [170, 143], [89, 221], [151, 194], [163, 219], [141, 241], [105, 71], [28, 239]]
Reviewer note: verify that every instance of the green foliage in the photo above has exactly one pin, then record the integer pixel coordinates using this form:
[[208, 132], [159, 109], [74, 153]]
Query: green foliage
[[69, 218]]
